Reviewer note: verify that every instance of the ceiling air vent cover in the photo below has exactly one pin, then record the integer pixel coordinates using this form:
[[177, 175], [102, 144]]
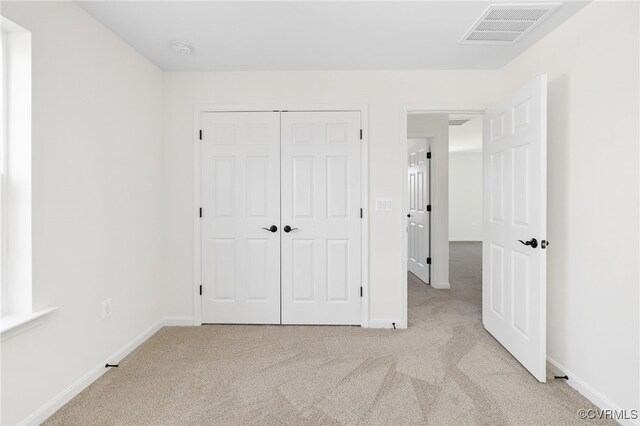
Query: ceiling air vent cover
[[507, 23]]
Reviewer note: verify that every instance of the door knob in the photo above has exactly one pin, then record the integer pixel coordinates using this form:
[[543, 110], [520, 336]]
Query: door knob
[[272, 228], [532, 242], [288, 229]]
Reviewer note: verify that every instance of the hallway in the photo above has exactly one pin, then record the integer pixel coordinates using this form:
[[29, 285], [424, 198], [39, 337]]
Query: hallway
[[465, 275]]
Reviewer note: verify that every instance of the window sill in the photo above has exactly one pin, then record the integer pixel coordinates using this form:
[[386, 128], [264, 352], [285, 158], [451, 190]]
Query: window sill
[[14, 324]]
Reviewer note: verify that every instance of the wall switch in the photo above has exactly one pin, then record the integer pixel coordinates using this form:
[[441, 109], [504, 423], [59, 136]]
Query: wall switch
[[384, 203], [106, 308]]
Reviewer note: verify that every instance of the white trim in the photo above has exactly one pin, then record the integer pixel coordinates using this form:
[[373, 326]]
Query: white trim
[[388, 323], [12, 325], [441, 286], [589, 392], [44, 412], [364, 191], [404, 136], [4, 136], [463, 240], [197, 231], [363, 109]]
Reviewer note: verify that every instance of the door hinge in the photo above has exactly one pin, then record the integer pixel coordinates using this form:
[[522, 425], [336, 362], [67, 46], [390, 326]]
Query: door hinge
[[200, 289], [360, 134], [428, 156], [429, 208], [360, 291], [200, 211], [200, 134], [360, 212], [428, 261]]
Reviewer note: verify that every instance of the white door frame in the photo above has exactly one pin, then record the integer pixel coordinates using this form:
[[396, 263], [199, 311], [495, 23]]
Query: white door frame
[[363, 109], [438, 253]]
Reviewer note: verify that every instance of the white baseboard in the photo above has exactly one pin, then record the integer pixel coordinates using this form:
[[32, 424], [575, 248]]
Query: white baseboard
[[441, 286], [91, 376], [178, 321], [384, 323], [589, 392]]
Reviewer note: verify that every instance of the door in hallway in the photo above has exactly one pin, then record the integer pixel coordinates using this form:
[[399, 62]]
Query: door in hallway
[[515, 224], [418, 223]]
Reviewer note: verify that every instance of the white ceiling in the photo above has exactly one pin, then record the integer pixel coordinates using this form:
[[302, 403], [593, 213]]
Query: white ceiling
[[312, 35]]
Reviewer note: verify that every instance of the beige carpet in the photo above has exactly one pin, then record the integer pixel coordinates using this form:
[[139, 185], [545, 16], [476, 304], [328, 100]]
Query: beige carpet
[[444, 369]]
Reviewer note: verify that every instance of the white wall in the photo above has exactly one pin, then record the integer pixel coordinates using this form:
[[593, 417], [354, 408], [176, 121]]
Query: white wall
[[435, 127], [97, 202], [465, 196], [384, 91], [592, 62], [467, 137]]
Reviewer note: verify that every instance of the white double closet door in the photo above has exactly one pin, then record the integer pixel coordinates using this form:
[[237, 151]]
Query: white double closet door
[[281, 230]]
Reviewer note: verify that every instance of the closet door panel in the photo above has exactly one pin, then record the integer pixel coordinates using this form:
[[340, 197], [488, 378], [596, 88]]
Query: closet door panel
[[321, 201]]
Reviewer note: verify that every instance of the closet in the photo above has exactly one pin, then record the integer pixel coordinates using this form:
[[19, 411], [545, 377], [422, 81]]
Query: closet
[[281, 215]]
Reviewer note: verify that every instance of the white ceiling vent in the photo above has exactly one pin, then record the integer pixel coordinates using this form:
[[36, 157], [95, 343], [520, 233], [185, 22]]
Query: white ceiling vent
[[507, 23]]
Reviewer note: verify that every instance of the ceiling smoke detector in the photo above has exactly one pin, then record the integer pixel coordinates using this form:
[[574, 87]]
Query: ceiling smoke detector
[[507, 23], [181, 48]]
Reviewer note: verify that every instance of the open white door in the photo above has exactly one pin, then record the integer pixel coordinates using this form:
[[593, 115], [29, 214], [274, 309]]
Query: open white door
[[321, 207], [514, 265], [240, 155], [418, 228]]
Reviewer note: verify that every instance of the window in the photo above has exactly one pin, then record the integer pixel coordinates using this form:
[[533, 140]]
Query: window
[[3, 165], [15, 186]]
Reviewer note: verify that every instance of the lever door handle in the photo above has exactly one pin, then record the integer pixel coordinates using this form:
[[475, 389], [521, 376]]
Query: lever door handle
[[272, 228], [288, 229], [409, 215], [532, 242]]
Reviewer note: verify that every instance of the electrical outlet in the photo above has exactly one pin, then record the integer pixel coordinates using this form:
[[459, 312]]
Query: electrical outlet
[[106, 309]]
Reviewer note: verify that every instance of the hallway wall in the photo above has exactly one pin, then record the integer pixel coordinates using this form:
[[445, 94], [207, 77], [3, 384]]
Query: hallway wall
[[465, 196]]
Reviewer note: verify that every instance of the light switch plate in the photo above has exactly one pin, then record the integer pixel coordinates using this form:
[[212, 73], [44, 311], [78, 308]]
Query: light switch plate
[[384, 204]]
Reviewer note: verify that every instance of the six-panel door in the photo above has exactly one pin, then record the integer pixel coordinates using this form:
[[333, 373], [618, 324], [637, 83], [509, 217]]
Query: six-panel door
[[418, 228], [281, 230], [515, 203], [321, 201], [240, 163]]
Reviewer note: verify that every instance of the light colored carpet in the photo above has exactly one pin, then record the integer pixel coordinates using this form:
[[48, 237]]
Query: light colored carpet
[[444, 369]]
